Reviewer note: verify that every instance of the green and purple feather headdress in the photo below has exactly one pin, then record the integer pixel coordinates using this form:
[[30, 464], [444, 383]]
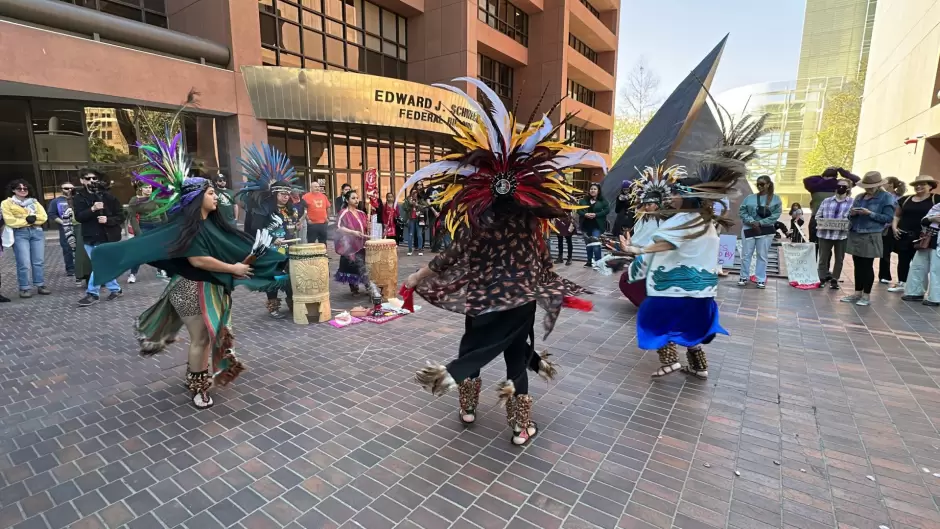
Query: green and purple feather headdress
[[167, 171]]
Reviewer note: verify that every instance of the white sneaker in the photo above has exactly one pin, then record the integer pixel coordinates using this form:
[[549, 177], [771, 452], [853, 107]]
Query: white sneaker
[[420, 253], [883, 281], [897, 288], [131, 278], [409, 254]]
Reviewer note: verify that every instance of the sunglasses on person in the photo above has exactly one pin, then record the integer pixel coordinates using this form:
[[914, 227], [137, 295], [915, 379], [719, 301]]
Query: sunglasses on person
[[21, 188]]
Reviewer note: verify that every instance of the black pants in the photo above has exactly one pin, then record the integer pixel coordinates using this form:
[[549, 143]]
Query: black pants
[[864, 273], [272, 294], [884, 266], [570, 245], [316, 233], [905, 257], [486, 336]]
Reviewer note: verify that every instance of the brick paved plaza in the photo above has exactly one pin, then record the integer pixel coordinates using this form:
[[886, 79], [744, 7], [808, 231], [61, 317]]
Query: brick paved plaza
[[817, 414]]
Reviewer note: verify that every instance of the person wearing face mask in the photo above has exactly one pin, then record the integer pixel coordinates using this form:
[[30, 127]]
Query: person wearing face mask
[[60, 212], [832, 221]]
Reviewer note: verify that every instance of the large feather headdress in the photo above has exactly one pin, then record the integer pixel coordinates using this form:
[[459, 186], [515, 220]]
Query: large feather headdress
[[267, 171], [527, 167], [167, 171], [655, 185]]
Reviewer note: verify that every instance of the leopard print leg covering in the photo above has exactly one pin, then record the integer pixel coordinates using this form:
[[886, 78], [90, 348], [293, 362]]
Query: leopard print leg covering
[[696, 357], [469, 395], [274, 305], [668, 354], [199, 384]]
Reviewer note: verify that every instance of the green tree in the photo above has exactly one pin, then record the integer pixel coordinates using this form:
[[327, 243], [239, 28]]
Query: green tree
[[835, 141], [639, 100], [102, 153]]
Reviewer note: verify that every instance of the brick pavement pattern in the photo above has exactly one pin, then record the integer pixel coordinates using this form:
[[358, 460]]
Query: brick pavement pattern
[[817, 414]]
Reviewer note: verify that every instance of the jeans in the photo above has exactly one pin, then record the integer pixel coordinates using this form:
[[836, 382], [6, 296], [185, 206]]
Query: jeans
[[762, 246], [68, 254], [29, 250], [828, 248], [593, 248], [415, 229], [93, 288], [924, 276], [316, 233]]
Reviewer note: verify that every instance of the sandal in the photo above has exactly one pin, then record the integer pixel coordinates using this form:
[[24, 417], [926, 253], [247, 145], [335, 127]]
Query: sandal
[[667, 369], [699, 374]]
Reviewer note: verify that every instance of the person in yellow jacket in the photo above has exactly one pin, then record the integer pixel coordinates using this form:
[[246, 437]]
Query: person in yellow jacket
[[24, 215]]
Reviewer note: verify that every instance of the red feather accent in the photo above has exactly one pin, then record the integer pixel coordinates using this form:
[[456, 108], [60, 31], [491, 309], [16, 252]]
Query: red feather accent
[[572, 302]]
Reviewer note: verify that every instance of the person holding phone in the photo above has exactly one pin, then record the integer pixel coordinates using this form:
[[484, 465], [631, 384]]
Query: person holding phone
[[759, 214], [871, 213]]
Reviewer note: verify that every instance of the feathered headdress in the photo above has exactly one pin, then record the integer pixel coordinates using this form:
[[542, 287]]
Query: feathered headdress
[[527, 167], [167, 171], [655, 185], [267, 171]]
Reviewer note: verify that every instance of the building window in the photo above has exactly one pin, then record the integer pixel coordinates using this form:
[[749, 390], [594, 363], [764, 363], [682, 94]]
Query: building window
[[580, 179], [497, 76], [345, 35], [506, 18], [151, 12], [581, 94], [591, 8], [579, 137], [582, 48]]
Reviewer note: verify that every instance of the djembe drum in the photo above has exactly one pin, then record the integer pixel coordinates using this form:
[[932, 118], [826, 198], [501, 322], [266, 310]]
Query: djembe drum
[[310, 280], [382, 264]]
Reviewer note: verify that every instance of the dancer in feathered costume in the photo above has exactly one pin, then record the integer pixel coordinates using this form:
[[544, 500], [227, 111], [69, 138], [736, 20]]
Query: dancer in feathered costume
[[205, 256], [500, 196], [679, 263], [269, 180]]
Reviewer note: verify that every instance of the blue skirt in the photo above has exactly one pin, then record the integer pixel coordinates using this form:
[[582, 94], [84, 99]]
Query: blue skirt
[[684, 321]]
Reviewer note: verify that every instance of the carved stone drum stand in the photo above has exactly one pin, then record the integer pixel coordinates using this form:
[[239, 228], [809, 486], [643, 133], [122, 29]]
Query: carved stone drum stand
[[382, 264], [310, 280]]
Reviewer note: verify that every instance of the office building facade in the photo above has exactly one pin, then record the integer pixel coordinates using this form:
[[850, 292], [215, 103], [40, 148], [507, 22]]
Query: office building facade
[[342, 86], [899, 127]]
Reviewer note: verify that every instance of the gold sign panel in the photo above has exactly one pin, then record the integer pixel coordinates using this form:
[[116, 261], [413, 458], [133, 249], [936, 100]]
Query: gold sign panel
[[279, 93]]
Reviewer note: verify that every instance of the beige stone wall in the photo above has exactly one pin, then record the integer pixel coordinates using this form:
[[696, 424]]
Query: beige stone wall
[[900, 98]]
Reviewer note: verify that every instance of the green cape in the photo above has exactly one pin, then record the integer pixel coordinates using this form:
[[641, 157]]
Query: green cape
[[110, 260]]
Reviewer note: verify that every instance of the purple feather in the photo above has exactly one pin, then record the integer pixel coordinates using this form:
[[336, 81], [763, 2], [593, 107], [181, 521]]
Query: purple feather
[[153, 183]]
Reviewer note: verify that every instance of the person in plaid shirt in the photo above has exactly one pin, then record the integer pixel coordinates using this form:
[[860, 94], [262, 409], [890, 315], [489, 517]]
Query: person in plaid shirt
[[833, 240]]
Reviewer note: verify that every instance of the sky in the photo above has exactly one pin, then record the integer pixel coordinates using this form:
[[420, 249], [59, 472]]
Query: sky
[[674, 35]]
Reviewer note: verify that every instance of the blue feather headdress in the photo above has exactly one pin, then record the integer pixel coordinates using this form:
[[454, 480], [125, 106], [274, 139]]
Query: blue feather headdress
[[167, 171], [267, 171]]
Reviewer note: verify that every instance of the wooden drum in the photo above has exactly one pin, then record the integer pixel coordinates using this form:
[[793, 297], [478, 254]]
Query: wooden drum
[[310, 281], [382, 264]]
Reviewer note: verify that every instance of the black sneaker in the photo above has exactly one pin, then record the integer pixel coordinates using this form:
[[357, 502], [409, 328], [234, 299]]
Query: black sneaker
[[834, 284], [568, 262], [114, 295], [588, 265], [912, 298], [88, 300]]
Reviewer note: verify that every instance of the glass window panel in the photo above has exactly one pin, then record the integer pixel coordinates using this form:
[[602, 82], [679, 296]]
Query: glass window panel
[[391, 67], [354, 56], [14, 133], [276, 138], [155, 20], [313, 45], [268, 57], [389, 48], [410, 153], [121, 10], [340, 153], [353, 35], [265, 6], [296, 150], [373, 43], [355, 154], [334, 8], [313, 21], [350, 12], [372, 155], [288, 12], [385, 186], [156, 5], [290, 61], [372, 18], [334, 28], [373, 63], [334, 51], [403, 54], [385, 156], [290, 37], [268, 30], [399, 158], [357, 21], [314, 65], [389, 26], [312, 4], [402, 25], [318, 152]]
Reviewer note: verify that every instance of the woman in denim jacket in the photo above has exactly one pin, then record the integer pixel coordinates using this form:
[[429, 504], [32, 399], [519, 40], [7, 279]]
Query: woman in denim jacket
[[871, 212], [759, 213]]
